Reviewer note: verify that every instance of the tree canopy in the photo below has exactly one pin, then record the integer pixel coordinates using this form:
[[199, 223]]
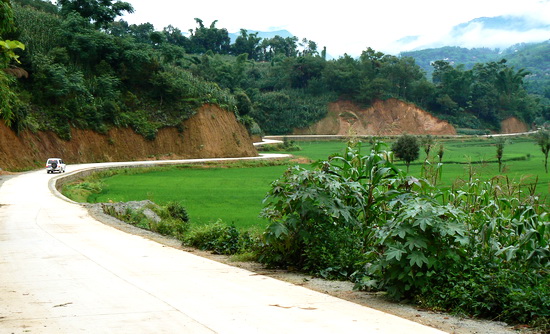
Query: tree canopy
[[100, 12], [88, 70]]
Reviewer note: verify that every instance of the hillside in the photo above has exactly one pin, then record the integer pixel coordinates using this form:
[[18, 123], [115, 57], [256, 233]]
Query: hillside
[[534, 57], [211, 133], [70, 71]]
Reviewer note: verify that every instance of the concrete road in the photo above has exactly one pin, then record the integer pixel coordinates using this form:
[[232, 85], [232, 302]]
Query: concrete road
[[61, 271]]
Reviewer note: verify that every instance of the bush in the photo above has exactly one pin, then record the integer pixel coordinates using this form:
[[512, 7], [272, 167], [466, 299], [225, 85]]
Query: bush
[[220, 239], [420, 239], [319, 219], [286, 146], [177, 211], [480, 250], [481, 289], [172, 227], [170, 220]]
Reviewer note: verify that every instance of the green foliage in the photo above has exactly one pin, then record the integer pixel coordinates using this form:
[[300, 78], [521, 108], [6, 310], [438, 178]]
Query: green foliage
[[406, 148], [419, 240], [530, 56], [7, 52], [174, 220], [177, 211], [319, 218], [309, 213], [281, 112], [543, 140], [285, 146], [478, 289], [38, 30], [219, 238], [479, 253], [100, 12], [480, 249], [9, 100], [91, 72], [6, 18], [500, 152], [80, 191]]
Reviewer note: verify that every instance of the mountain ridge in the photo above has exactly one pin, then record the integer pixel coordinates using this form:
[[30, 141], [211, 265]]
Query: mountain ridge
[[491, 32]]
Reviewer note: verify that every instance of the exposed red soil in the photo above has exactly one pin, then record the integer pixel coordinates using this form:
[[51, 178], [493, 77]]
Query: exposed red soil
[[513, 125], [390, 117], [211, 133]]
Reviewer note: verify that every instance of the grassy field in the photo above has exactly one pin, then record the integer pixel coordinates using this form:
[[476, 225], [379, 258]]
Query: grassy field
[[235, 194]]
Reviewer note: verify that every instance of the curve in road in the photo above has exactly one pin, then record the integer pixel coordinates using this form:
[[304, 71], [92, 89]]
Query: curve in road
[[61, 271]]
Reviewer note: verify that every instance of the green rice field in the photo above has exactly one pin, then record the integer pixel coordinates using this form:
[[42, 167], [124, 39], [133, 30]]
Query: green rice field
[[235, 194]]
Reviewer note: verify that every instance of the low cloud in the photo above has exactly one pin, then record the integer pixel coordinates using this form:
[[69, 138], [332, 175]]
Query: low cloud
[[498, 32]]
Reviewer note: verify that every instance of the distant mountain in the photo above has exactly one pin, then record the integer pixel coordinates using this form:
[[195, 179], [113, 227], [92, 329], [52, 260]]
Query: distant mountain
[[507, 23], [263, 34], [534, 57], [484, 32]]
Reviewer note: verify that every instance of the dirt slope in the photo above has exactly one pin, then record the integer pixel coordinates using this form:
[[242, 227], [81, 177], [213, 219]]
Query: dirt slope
[[390, 117], [513, 125], [212, 132]]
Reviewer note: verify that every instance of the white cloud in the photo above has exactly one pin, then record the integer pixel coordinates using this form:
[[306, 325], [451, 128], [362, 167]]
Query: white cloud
[[345, 26]]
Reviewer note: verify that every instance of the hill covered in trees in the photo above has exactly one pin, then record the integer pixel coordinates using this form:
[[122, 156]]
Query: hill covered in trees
[[533, 57], [82, 68]]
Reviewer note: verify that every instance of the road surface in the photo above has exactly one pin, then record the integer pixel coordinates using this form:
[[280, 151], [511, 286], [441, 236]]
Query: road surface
[[61, 271]]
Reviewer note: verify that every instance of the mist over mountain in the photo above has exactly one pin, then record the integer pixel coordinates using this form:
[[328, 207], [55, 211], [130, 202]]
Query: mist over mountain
[[485, 32]]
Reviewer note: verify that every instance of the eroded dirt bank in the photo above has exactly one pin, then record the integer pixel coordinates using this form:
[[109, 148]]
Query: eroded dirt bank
[[513, 125], [390, 117], [211, 133]]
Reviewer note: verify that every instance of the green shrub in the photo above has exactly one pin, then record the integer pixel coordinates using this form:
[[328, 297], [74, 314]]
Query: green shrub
[[172, 227], [481, 289], [220, 239], [177, 211], [420, 239], [320, 219], [286, 146], [480, 249]]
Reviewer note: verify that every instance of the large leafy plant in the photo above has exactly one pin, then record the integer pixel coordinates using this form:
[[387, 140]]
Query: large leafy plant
[[320, 218]]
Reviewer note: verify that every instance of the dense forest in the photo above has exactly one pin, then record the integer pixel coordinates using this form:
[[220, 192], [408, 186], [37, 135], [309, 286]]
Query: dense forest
[[533, 57], [75, 64]]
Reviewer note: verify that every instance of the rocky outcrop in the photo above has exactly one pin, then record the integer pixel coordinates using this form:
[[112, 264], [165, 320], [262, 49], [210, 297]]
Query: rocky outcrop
[[390, 117], [210, 133]]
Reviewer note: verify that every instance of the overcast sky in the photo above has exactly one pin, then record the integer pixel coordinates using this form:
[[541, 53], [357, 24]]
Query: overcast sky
[[343, 26]]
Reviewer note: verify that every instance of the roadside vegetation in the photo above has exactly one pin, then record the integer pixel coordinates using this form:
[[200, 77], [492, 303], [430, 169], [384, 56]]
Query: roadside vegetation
[[476, 244]]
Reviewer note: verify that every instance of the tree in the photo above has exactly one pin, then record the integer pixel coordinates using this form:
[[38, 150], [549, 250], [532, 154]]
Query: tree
[[441, 152], [500, 151], [209, 39], [407, 149], [247, 43], [427, 142], [8, 99], [543, 140], [101, 12], [6, 17]]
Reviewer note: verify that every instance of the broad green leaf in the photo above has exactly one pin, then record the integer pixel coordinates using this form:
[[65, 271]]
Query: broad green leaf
[[417, 258], [394, 253]]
